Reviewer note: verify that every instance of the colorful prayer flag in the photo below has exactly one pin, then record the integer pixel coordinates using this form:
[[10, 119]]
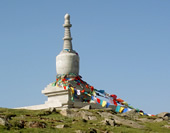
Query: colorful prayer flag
[[78, 92], [125, 110], [98, 100], [107, 105], [101, 102], [104, 103], [117, 108], [121, 109], [72, 89], [64, 87]]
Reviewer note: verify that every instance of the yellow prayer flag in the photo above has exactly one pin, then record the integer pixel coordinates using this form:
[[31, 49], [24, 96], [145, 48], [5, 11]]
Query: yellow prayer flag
[[121, 109], [88, 94], [104, 103], [125, 103], [72, 89], [141, 113], [94, 93]]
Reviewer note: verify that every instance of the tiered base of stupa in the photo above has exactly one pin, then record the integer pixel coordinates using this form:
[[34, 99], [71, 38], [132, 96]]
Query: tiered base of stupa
[[70, 91], [60, 99], [57, 98]]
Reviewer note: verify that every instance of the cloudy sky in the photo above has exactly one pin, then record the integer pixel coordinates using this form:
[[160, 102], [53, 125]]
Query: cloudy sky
[[124, 48]]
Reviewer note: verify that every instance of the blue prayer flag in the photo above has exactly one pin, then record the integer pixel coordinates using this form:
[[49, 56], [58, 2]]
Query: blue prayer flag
[[107, 105], [101, 91], [125, 110], [117, 108], [101, 102]]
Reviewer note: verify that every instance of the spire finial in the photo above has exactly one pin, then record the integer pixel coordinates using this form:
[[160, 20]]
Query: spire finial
[[67, 34]]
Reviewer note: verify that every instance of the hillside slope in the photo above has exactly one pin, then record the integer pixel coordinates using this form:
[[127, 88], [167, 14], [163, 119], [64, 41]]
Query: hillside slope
[[80, 121]]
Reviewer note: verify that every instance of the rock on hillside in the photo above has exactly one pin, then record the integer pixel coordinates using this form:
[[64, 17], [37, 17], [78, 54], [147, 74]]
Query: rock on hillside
[[81, 121]]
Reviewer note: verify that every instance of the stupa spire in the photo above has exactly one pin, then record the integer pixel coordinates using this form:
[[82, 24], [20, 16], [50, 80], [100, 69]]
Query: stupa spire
[[67, 34], [68, 60]]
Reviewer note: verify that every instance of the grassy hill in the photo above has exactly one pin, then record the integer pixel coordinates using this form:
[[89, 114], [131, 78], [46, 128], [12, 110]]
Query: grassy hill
[[78, 121]]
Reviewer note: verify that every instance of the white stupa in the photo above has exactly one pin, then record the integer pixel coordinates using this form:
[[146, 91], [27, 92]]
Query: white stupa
[[67, 67], [66, 62]]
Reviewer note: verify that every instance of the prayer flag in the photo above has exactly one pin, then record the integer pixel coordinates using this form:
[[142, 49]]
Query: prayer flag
[[141, 113], [104, 103], [72, 89], [92, 88], [125, 110], [137, 110], [130, 107], [89, 94], [101, 91], [98, 100], [94, 93], [107, 105], [117, 108], [78, 81], [115, 103], [75, 91], [120, 100], [145, 113], [101, 102], [114, 96], [125, 103], [83, 91], [121, 109], [64, 87], [78, 92]]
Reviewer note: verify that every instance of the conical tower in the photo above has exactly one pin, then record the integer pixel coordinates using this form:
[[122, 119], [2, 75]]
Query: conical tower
[[67, 63], [68, 60]]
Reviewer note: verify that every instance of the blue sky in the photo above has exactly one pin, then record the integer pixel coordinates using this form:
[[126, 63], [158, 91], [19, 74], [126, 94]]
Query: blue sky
[[124, 48]]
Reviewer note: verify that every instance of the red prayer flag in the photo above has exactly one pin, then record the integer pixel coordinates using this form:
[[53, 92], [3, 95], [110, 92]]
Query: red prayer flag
[[64, 87], [120, 100], [92, 88], [77, 78], [115, 103], [83, 91], [114, 96], [98, 100]]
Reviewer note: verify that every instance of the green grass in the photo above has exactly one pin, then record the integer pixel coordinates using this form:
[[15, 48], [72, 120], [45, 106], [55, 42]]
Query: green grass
[[15, 118]]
